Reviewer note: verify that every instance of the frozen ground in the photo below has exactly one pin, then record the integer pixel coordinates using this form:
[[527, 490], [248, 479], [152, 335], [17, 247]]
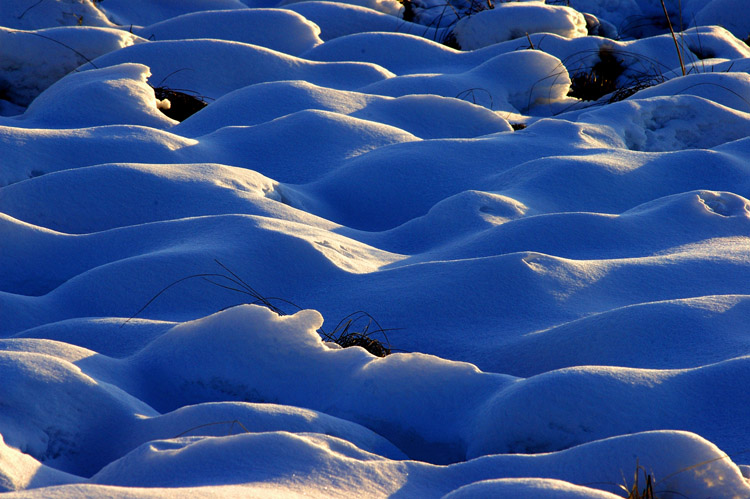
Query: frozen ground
[[564, 282]]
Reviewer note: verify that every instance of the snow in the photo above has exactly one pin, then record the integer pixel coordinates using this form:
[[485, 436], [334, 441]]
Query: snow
[[445, 117], [337, 19], [494, 84], [276, 29], [562, 283], [24, 75], [128, 13], [121, 92], [721, 12], [184, 64], [514, 20], [671, 123], [18, 14]]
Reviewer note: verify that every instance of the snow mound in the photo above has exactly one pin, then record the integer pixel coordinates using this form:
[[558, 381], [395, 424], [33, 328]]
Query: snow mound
[[62, 149], [248, 147], [391, 7], [24, 74], [20, 471], [115, 95], [338, 19], [531, 488], [514, 20], [62, 432], [727, 89], [495, 84], [216, 71], [145, 12], [19, 14], [683, 325], [169, 462], [721, 13], [426, 116], [188, 191], [398, 52], [671, 123], [276, 29]]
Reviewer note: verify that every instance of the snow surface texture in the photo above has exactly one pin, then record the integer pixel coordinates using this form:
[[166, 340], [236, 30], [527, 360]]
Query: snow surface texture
[[564, 283]]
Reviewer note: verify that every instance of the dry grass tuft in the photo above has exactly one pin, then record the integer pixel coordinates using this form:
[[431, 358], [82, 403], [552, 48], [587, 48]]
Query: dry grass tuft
[[600, 79], [635, 492], [347, 333]]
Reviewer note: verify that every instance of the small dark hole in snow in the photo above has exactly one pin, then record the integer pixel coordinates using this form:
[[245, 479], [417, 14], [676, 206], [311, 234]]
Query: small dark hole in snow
[[450, 40], [600, 79], [409, 12], [182, 105]]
